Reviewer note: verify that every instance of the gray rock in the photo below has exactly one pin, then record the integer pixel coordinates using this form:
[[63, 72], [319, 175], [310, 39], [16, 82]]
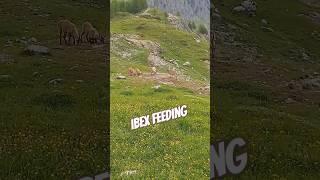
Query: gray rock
[[239, 9], [311, 83], [36, 49], [189, 9]]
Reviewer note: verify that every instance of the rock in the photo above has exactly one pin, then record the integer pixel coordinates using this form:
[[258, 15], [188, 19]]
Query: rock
[[305, 56], [289, 101], [32, 40], [56, 81], [263, 21], [36, 49], [121, 77], [249, 5], [267, 29], [313, 83], [239, 9], [128, 173], [187, 63], [156, 87]]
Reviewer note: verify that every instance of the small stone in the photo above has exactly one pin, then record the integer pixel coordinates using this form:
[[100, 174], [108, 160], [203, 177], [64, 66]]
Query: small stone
[[187, 63], [121, 77], [79, 81], [156, 87], [249, 5], [239, 9], [56, 81]]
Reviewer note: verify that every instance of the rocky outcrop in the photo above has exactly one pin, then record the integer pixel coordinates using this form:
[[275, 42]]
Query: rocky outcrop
[[194, 10], [247, 6]]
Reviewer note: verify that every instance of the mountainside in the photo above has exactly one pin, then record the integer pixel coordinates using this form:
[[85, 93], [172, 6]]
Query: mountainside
[[198, 10]]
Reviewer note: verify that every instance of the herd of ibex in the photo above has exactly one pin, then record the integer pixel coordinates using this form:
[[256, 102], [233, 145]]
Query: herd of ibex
[[69, 33]]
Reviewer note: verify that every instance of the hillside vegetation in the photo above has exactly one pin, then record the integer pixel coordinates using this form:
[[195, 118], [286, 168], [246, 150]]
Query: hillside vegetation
[[169, 150], [266, 87]]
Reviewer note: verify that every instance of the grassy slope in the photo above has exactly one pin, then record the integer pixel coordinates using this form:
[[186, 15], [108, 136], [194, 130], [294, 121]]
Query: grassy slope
[[57, 131], [283, 140], [167, 150]]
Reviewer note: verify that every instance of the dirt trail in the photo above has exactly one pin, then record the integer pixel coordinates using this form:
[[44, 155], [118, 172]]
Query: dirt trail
[[174, 76]]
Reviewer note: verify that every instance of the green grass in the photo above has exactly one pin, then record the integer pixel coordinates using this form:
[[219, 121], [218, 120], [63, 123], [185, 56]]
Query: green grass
[[169, 150], [165, 150], [282, 139], [51, 132], [291, 31], [281, 142], [175, 44]]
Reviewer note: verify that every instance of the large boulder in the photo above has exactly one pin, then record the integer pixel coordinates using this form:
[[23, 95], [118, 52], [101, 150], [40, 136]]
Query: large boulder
[[36, 50], [248, 6]]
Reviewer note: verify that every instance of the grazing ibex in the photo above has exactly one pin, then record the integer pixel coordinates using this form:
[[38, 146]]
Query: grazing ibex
[[68, 30], [90, 34]]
